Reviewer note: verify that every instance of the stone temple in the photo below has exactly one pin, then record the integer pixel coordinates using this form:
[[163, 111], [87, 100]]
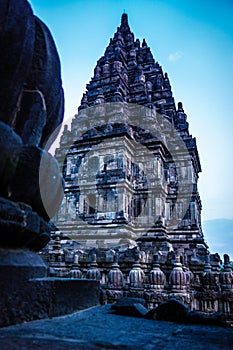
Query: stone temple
[[122, 181], [131, 213], [129, 224]]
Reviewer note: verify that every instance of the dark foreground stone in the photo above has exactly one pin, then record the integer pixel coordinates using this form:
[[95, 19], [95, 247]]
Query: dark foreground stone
[[175, 311], [171, 310], [21, 227], [17, 30], [130, 307], [37, 182], [96, 328], [27, 294]]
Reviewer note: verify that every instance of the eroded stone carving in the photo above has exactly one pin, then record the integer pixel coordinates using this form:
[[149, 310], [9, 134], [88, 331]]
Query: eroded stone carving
[[31, 109]]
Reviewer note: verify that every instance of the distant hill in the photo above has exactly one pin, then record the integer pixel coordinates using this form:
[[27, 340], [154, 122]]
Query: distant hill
[[218, 234]]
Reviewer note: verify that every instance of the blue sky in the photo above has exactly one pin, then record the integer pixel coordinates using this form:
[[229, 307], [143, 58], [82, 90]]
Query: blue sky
[[193, 41]]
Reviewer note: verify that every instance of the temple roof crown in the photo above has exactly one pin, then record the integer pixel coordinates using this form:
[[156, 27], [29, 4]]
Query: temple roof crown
[[124, 20]]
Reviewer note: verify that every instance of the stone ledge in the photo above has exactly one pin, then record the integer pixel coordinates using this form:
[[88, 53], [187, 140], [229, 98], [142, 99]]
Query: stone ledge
[[69, 295], [26, 293]]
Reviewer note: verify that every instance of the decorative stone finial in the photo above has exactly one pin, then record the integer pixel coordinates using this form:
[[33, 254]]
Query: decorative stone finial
[[75, 272], [115, 276], [106, 68], [136, 276], [137, 43], [93, 272], [208, 277], [180, 107], [178, 277], [166, 82], [188, 272], [227, 265], [144, 44], [97, 71], [207, 266], [226, 276], [157, 278], [124, 20]]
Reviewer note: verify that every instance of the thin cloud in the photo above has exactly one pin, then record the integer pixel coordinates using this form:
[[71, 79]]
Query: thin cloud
[[173, 57]]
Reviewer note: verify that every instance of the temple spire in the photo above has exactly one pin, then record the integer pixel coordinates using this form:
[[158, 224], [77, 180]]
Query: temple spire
[[124, 23], [124, 20]]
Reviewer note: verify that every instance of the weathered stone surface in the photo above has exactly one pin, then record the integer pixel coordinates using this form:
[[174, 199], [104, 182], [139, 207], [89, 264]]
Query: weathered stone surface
[[69, 295], [31, 118], [37, 181], [141, 309], [214, 319], [135, 310], [30, 176], [151, 314], [10, 148], [34, 66], [127, 301], [17, 33], [27, 294], [45, 76], [19, 299], [175, 311], [172, 310], [96, 328], [130, 307], [21, 227], [31, 103]]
